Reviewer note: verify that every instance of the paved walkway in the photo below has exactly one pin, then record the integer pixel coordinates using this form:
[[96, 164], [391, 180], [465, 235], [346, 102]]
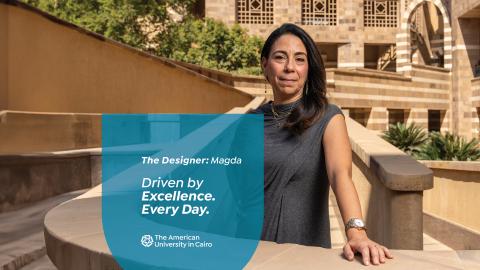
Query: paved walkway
[[21, 233]]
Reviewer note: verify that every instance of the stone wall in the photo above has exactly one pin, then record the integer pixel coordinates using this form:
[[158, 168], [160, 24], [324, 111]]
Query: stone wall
[[349, 33], [56, 66], [451, 209]]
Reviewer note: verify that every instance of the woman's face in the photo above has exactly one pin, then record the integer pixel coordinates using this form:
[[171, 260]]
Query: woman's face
[[286, 68]]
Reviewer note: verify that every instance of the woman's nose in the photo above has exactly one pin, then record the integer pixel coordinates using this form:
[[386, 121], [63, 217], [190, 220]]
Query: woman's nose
[[289, 65]]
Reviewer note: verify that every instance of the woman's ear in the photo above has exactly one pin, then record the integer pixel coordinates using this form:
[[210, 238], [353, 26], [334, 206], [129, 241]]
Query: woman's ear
[[264, 67], [264, 63]]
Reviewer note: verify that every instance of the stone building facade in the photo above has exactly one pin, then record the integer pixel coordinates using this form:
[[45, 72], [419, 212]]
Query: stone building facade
[[433, 43]]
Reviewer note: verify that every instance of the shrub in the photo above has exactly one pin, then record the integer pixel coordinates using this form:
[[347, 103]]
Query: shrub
[[449, 147], [211, 44], [408, 139]]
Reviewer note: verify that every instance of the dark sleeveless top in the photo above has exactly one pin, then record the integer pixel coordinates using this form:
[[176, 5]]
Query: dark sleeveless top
[[296, 187]]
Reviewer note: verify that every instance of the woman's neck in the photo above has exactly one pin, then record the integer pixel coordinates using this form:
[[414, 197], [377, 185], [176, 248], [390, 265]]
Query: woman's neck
[[280, 101]]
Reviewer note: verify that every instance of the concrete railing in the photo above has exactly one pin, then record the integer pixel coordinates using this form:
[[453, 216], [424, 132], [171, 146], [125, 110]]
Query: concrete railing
[[28, 132], [29, 178], [390, 186], [451, 208], [75, 241], [253, 85], [60, 131]]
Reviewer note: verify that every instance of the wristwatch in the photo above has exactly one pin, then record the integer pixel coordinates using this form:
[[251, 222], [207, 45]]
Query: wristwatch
[[355, 223]]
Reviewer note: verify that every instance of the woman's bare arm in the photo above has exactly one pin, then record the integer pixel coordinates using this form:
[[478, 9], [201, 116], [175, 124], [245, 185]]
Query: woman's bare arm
[[338, 160]]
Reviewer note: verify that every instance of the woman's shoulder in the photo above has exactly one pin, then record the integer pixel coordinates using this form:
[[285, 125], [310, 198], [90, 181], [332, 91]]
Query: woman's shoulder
[[330, 111]]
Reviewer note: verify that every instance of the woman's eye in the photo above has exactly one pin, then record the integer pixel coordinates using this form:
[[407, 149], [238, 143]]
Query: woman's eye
[[280, 57], [302, 60]]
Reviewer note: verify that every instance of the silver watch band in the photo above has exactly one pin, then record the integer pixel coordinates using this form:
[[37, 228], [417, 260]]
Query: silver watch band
[[357, 223]]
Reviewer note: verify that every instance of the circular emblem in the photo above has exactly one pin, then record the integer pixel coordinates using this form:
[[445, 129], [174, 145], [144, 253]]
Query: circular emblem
[[147, 240]]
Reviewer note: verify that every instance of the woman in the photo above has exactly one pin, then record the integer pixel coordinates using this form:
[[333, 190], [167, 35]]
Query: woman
[[306, 143]]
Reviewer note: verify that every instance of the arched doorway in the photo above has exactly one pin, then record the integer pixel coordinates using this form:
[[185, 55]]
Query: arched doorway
[[441, 55]]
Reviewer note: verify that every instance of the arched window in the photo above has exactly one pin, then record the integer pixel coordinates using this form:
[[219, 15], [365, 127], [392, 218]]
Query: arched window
[[255, 11], [380, 13], [319, 12]]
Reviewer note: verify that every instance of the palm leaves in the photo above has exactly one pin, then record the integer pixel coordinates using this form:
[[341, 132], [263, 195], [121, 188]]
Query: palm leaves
[[449, 147], [408, 139], [414, 141]]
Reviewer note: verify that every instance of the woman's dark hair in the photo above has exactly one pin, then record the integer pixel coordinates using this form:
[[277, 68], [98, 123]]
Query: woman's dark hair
[[314, 101]]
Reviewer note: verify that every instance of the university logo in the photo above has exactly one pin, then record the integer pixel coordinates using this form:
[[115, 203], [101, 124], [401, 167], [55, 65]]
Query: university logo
[[147, 240]]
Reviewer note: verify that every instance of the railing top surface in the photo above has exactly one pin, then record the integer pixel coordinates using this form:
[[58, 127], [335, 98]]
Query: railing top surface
[[396, 170], [76, 225]]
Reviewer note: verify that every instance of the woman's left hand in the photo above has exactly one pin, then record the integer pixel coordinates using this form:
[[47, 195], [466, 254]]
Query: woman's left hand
[[371, 251]]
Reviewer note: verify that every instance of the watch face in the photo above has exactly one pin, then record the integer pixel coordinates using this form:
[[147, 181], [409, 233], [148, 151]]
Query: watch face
[[358, 223]]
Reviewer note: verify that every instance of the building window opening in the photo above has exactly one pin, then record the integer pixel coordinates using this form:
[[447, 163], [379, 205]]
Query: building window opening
[[396, 116], [380, 57], [434, 120], [360, 115], [329, 54]]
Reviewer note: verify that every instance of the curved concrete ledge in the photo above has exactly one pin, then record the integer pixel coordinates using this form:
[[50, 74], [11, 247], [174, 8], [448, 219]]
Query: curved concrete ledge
[[75, 241], [397, 170]]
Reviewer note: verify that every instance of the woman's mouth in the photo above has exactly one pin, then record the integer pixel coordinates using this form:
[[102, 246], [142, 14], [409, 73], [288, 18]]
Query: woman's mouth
[[287, 82]]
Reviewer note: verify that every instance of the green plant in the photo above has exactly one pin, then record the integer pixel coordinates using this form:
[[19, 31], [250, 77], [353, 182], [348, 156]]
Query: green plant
[[211, 44], [408, 139], [449, 147], [128, 21]]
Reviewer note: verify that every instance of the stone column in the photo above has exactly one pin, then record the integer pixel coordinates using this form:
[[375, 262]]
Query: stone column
[[378, 119], [350, 17], [418, 116], [467, 38], [446, 124]]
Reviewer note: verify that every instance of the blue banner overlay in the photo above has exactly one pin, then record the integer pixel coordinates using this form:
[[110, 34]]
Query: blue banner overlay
[[182, 191]]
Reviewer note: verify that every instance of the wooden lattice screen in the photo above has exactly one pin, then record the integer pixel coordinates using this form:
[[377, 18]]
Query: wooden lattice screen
[[255, 11], [380, 13], [319, 12]]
